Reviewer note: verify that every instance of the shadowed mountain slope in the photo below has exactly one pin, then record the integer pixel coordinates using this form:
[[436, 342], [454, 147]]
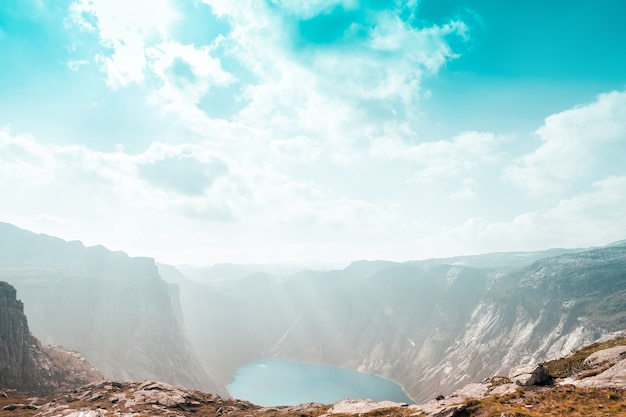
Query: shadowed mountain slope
[[114, 309]]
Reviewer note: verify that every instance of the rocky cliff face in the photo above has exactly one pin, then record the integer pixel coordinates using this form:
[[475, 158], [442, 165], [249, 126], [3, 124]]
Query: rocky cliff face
[[114, 309], [433, 326], [27, 365]]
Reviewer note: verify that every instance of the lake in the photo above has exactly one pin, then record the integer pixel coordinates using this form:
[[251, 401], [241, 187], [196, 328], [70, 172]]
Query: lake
[[271, 382]]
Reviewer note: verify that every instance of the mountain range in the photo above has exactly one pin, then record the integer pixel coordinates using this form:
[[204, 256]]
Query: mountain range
[[433, 325]]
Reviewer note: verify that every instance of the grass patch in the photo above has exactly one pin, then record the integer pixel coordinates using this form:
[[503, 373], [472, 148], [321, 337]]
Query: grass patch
[[554, 402], [574, 363]]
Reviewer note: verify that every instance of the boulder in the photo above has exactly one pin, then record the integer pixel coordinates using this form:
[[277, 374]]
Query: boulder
[[531, 374], [362, 406]]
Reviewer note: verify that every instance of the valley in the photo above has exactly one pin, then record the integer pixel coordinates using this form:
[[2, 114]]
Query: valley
[[433, 326]]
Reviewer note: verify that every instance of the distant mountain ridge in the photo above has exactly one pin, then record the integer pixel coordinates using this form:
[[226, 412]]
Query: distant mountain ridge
[[114, 309]]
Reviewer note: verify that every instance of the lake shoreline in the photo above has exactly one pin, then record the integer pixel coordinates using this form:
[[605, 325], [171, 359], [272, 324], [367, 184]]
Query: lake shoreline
[[311, 378]]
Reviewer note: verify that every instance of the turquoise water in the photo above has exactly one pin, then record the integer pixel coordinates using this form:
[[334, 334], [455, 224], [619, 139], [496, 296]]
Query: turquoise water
[[270, 382]]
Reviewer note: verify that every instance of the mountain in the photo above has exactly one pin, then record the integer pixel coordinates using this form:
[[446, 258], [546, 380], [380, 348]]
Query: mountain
[[114, 309], [227, 271], [503, 259], [433, 326], [26, 364]]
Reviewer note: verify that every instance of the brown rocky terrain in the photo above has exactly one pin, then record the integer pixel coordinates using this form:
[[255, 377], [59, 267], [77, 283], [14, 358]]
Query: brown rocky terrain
[[589, 382], [26, 364]]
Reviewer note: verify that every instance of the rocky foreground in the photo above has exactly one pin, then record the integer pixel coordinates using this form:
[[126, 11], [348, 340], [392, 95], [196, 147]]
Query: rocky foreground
[[590, 382]]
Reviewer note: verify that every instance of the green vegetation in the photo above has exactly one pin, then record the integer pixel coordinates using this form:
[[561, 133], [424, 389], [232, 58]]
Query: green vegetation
[[574, 363], [551, 401]]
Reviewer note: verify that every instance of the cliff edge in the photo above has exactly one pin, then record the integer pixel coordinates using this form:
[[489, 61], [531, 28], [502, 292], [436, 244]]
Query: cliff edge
[[27, 365]]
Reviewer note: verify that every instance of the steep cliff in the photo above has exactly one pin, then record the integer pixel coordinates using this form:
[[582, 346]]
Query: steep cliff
[[27, 365], [114, 309]]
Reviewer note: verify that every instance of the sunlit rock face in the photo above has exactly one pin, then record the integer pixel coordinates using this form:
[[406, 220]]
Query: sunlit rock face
[[27, 365], [114, 309], [432, 326]]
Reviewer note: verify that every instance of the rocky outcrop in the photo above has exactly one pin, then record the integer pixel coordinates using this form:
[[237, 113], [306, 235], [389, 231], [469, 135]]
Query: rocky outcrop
[[605, 368], [27, 365], [609, 356], [125, 398], [532, 374], [362, 406]]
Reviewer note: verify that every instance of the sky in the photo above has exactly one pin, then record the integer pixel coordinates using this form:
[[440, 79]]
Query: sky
[[267, 131]]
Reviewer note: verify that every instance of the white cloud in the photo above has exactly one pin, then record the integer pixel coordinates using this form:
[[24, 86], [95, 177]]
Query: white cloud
[[467, 190], [572, 143], [305, 9], [596, 217], [75, 65], [125, 28], [336, 97], [445, 158], [78, 193], [319, 155], [126, 64], [296, 149], [186, 74], [339, 94]]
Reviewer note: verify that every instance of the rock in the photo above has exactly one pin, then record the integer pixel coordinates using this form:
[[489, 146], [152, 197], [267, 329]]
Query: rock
[[434, 409], [361, 406], [95, 397], [301, 408], [474, 390], [11, 407], [614, 377], [531, 374], [115, 398], [87, 413], [606, 356]]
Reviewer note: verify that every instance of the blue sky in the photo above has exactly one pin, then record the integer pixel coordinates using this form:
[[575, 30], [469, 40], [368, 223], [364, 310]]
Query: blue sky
[[314, 131]]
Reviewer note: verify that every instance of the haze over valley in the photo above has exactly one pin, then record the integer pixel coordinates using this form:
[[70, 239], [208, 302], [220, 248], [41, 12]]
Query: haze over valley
[[432, 326]]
